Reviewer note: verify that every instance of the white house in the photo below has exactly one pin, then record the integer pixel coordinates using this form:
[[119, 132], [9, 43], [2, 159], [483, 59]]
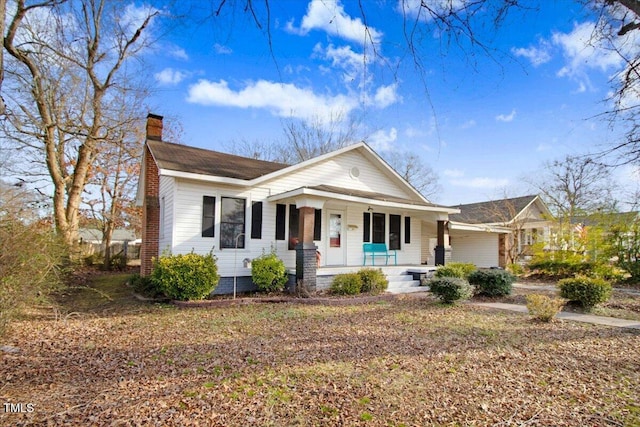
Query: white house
[[498, 232], [201, 200]]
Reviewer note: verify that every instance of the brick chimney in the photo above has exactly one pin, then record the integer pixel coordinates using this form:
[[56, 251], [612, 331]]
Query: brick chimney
[[151, 204], [154, 127]]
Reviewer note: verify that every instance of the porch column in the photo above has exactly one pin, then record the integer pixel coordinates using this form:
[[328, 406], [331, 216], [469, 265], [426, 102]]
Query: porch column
[[306, 263], [440, 248]]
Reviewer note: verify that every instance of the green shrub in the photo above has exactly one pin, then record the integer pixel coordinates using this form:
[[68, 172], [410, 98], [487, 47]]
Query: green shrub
[[455, 269], [588, 291], [268, 273], [118, 262], [559, 264], [450, 289], [544, 308], [608, 272], [374, 281], [515, 269], [185, 277], [492, 283], [143, 285], [346, 284]]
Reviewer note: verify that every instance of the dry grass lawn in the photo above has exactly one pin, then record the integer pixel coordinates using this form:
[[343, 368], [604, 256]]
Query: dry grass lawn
[[409, 361]]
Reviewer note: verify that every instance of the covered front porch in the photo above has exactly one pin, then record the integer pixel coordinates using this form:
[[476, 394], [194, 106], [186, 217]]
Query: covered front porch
[[350, 218]]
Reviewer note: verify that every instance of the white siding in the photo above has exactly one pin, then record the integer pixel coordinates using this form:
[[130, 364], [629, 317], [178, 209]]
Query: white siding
[[335, 172], [167, 192], [183, 217], [479, 248]]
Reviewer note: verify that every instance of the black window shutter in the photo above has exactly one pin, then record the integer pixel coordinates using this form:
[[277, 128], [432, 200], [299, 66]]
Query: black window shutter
[[256, 220], [394, 231], [317, 225], [407, 229], [366, 227], [208, 216], [294, 221], [281, 212]]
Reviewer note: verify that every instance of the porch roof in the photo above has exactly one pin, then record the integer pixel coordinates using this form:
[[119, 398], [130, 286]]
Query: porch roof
[[360, 196]]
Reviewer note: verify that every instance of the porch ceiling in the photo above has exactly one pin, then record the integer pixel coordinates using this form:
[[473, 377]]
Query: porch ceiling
[[360, 196]]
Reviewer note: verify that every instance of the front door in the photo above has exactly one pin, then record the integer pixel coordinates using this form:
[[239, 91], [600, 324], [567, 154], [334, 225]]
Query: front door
[[336, 238]]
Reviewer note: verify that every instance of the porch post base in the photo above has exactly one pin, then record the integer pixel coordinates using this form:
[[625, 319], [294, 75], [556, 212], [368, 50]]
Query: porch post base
[[440, 252], [306, 265]]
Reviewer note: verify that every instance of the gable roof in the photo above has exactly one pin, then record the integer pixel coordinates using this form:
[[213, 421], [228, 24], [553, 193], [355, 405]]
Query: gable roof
[[207, 162], [196, 163], [360, 196], [493, 211]]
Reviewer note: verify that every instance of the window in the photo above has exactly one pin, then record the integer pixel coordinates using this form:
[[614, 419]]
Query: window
[[281, 211], [317, 225], [208, 216], [256, 220], [232, 214], [378, 228], [294, 223], [394, 231], [366, 227], [407, 229]]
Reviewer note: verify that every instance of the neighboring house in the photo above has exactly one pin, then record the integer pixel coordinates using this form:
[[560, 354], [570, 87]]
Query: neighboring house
[[200, 200], [520, 222], [91, 241]]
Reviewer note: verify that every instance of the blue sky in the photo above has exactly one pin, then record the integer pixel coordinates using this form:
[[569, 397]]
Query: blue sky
[[482, 123]]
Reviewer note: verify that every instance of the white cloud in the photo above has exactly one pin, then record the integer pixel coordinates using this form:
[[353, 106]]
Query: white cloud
[[415, 8], [352, 63], [382, 141], [537, 56], [179, 53], [386, 95], [543, 147], [413, 132], [469, 124], [169, 76], [453, 173], [506, 118], [133, 17], [332, 18], [583, 50], [284, 100], [221, 49], [481, 182]]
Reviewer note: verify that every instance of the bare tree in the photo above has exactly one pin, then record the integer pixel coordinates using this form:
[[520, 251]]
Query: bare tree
[[3, 8], [67, 57], [308, 139], [411, 167], [111, 183], [575, 186]]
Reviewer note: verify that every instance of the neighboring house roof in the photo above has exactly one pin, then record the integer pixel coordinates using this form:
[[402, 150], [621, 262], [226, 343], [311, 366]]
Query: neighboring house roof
[[95, 235], [606, 218], [494, 211], [207, 162]]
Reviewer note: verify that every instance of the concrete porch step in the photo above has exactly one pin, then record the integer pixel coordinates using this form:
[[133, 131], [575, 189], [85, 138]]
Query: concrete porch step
[[403, 283]]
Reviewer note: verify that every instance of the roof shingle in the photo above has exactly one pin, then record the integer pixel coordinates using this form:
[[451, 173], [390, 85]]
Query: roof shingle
[[206, 162], [493, 211]]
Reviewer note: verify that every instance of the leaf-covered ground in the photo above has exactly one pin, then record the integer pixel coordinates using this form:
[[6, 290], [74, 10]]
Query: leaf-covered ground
[[408, 361]]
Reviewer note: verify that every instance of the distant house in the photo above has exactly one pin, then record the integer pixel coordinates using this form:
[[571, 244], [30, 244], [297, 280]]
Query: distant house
[[91, 241], [316, 215], [521, 222]]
